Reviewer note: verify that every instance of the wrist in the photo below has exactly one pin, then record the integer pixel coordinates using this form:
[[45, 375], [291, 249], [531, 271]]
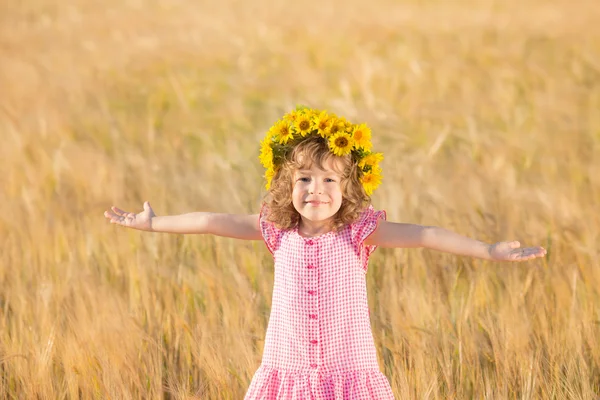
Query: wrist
[[488, 251], [155, 224]]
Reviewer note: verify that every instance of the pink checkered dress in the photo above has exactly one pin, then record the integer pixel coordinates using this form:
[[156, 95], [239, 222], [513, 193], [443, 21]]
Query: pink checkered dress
[[319, 344]]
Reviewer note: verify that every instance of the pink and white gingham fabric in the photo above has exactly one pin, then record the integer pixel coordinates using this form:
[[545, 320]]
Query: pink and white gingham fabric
[[319, 344]]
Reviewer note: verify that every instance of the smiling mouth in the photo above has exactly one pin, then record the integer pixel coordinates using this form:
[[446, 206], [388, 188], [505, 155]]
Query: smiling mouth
[[315, 203]]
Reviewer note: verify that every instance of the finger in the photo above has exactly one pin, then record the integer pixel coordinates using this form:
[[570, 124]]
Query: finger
[[529, 253], [535, 250], [118, 211], [147, 206], [515, 244], [542, 250], [110, 214], [518, 255], [513, 255]]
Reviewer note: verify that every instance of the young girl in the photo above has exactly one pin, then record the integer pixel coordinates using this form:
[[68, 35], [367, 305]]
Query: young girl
[[318, 223]]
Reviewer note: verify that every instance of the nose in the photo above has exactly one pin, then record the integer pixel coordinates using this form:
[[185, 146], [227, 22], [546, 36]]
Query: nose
[[315, 187]]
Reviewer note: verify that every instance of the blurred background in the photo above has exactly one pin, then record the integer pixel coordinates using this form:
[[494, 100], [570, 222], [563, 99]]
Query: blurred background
[[487, 111]]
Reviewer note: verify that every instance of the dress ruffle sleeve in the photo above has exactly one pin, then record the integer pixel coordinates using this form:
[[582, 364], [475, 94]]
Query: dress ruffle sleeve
[[362, 228], [270, 233]]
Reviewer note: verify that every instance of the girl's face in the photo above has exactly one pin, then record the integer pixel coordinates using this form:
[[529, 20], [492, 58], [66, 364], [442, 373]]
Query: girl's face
[[317, 193]]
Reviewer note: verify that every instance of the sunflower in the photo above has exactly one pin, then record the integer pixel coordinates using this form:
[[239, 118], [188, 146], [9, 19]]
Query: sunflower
[[291, 116], [370, 180], [341, 143], [362, 136], [337, 125], [303, 125], [322, 123], [370, 160], [266, 153], [311, 113], [282, 132], [345, 125], [269, 174]]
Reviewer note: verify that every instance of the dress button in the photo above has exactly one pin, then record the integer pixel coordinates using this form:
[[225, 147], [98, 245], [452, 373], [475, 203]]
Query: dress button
[[313, 316], [310, 242], [314, 342], [313, 365], [310, 266], [311, 292]]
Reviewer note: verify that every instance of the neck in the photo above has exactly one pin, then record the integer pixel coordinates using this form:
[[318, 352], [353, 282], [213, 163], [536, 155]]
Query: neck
[[312, 228]]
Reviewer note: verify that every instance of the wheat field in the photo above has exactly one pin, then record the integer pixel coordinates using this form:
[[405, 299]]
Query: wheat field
[[487, 111]]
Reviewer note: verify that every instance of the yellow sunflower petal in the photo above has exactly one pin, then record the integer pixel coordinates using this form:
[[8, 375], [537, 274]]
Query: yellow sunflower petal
[[311, 113], [337, 125], [266, 159], [345, 125], [269, 174], [291, 116]]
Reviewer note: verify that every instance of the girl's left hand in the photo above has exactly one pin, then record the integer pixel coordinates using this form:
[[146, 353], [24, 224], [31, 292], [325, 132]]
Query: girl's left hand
[[512, 251]]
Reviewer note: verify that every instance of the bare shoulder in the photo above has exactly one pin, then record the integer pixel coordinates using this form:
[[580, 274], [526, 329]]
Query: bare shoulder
[[375, 238]]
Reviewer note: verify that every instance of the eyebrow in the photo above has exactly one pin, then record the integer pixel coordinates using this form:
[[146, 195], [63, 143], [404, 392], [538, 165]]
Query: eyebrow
[[304, 171]]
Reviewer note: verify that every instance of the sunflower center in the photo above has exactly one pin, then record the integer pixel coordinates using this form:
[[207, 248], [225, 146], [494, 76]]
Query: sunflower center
[[341, 142], [358, 135], [334, 129], [304, 125]]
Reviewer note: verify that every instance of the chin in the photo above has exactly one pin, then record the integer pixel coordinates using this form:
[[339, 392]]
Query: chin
[[317, 216]]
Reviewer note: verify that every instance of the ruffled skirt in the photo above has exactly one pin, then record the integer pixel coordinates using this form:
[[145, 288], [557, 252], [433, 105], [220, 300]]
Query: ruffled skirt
[[276, 384]]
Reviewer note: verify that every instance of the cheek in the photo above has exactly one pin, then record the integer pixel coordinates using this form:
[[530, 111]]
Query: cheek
[[296, 191], [338, 195]]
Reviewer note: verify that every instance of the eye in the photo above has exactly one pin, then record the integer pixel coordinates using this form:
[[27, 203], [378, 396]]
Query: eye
[[329, 180], [304, 179]]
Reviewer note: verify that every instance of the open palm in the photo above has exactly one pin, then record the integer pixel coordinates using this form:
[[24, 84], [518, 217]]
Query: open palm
[[141, 221], [512, 251]]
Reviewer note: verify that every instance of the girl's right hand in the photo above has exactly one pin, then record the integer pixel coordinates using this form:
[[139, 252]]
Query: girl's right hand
[[141, 221]]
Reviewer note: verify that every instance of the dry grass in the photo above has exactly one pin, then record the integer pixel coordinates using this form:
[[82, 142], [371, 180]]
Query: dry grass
[[488, 113]]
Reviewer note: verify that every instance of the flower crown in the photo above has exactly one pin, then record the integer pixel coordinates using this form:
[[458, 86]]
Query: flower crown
[[342, 136]]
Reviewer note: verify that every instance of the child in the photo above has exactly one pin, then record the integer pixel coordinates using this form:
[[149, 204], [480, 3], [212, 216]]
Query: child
[[318, 223]]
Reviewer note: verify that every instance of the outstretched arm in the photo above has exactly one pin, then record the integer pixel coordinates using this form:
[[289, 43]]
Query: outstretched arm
[[391, 234], [228, 225]]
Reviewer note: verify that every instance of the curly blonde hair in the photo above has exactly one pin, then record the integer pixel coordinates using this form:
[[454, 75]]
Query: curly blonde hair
[[278, 200]]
